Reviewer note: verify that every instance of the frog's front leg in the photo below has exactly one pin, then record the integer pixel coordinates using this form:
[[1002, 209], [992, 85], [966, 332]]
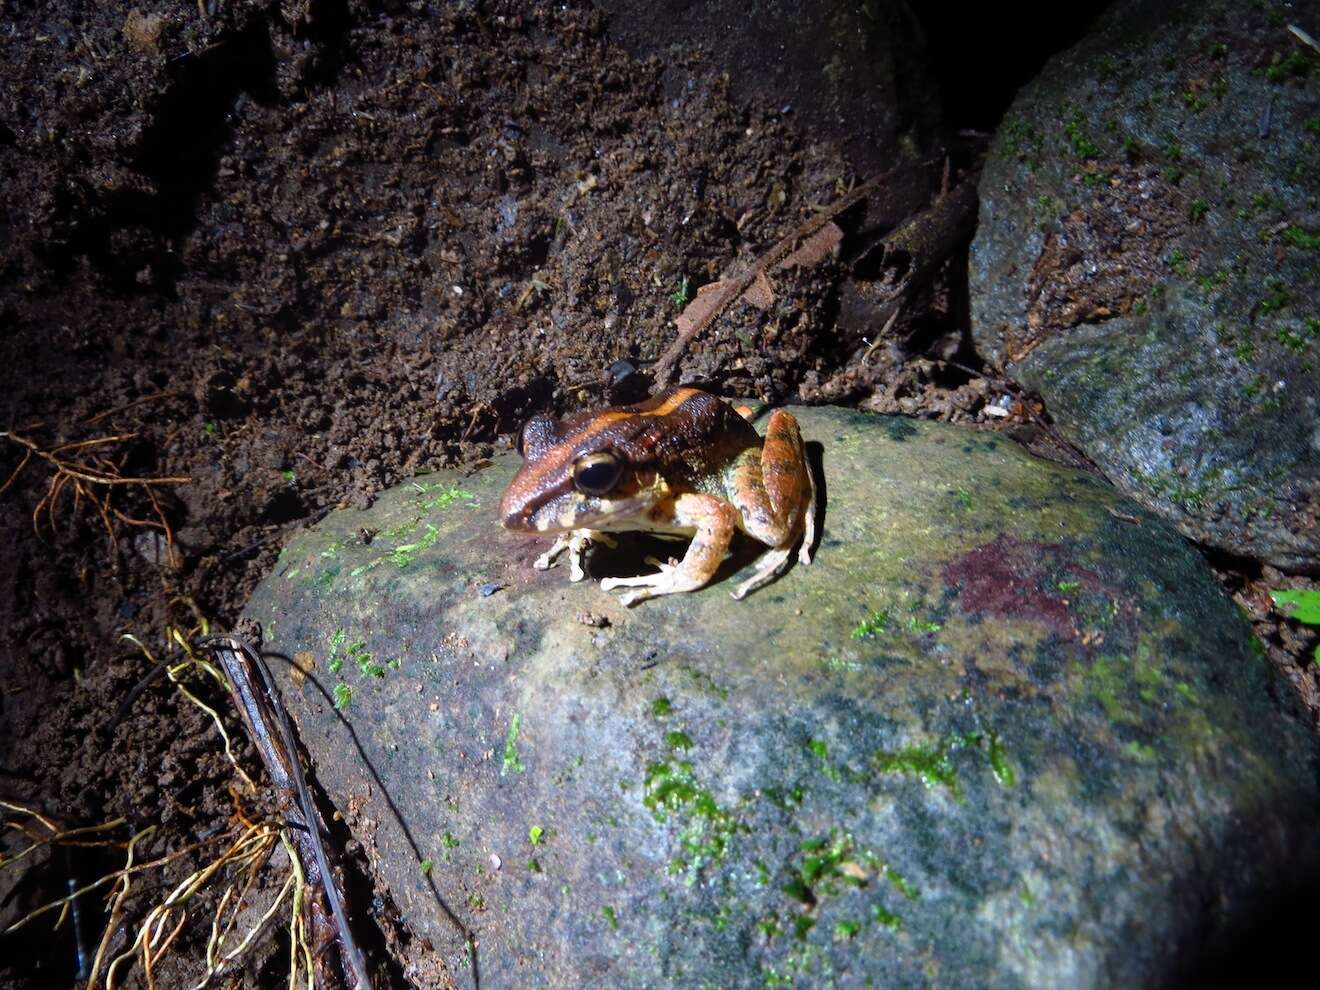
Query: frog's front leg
[[576, 542], [775, 494], [714, 521]]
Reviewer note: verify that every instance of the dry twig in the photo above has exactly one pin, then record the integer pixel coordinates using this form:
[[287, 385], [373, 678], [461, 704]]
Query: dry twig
[[909, 256], [133, 404], [269, 728]]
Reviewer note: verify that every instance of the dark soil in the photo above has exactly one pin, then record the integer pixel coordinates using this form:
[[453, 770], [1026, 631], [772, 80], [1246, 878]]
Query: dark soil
[[296, 253]]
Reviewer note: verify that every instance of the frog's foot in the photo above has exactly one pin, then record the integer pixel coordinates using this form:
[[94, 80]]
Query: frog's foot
[[768, 567], [576, 543], [666, 581]]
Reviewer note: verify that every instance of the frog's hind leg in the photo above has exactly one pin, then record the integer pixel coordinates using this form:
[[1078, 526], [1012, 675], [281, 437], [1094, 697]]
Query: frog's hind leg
[[775, 495], [809, 520]]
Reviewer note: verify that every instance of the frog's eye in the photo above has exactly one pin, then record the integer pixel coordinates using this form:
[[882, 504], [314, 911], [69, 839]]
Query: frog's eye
[[596, 474]]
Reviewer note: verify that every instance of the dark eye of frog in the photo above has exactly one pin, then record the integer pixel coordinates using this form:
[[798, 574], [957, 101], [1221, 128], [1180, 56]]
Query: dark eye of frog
[[596, 474]]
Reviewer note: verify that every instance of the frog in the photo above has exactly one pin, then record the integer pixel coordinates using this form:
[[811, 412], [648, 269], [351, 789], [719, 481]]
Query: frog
[[683, 464]]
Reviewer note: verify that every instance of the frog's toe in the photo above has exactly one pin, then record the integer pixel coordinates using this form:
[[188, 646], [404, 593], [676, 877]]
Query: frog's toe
[[663, 578], [563, 541], [767, 569], [631, 598], [642, 587], [640, 581], [666, 582]]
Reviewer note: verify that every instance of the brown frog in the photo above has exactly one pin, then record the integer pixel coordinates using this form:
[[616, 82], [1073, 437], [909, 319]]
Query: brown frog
[[683, 463]]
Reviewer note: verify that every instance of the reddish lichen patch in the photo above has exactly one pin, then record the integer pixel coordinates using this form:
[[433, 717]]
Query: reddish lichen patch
[[1014, 579], [1100, 259]]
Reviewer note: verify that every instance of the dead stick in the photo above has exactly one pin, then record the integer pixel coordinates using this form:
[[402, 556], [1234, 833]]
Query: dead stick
[[912, 253], [268, 724], [128, 405]]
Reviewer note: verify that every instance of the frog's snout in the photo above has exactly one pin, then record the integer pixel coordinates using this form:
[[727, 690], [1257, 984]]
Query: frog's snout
[[520, 513], [515, 515]]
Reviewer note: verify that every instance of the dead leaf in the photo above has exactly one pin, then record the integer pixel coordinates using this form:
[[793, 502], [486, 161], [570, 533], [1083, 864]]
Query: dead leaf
[[758, 292], [708, 299], [144, 31], [816, 248]]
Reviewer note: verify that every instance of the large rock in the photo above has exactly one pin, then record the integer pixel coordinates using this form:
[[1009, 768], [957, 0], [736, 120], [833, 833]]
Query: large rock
[[1005, 731], [1148, 259]]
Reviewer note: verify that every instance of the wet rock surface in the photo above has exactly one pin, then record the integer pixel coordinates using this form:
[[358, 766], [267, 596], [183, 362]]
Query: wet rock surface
[[1006, 730], [1148, 259]]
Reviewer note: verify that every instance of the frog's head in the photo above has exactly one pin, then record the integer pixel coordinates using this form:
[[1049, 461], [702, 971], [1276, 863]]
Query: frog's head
[[592, 471]]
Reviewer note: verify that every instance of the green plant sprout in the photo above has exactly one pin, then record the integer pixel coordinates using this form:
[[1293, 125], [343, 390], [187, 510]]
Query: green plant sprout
[[681, 297], [1301, 605]]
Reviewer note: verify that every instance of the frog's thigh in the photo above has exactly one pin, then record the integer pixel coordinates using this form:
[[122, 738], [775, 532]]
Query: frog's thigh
[[715, 521], [809, 521], [772, 490]]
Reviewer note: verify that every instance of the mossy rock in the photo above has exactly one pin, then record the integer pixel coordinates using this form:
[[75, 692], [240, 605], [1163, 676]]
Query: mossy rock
[[1148, 258], [1004, 731]]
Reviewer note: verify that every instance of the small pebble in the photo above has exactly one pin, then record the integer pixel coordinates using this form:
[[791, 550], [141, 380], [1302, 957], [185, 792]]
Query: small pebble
[[486, 590]]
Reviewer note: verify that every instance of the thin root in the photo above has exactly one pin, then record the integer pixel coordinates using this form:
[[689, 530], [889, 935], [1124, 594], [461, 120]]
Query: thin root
[[94, 479]]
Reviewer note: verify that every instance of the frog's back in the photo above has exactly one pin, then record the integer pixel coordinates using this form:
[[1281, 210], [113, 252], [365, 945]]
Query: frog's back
[[683, 434], [688, 434]]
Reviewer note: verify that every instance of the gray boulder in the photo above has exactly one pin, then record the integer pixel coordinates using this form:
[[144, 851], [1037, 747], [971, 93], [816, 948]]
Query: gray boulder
[[1148, 259], [1005, 731]]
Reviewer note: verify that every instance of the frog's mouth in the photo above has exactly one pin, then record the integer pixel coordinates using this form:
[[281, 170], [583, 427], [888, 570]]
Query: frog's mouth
[[628, 507], [610, 514], [577, 511]]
